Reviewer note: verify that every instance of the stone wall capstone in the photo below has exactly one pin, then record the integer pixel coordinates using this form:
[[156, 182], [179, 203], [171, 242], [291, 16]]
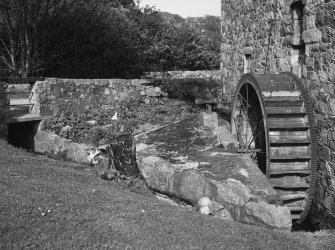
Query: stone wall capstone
[[298, 36]]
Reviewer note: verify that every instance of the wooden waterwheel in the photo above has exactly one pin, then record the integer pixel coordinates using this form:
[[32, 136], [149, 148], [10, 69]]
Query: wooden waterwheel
[[273, 120]]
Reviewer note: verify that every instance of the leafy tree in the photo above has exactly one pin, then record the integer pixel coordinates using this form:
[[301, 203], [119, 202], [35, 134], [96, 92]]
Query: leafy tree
[[102, 42], [101, 39], [22, 41], [181, 46]]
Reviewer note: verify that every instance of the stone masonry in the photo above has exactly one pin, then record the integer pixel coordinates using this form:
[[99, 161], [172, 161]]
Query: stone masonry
[[204, 85], [4, 107], [214, 74], [56, 97], [271, 36]]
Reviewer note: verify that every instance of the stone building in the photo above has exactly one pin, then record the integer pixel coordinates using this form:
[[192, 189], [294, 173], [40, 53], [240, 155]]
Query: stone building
[[272, 36]]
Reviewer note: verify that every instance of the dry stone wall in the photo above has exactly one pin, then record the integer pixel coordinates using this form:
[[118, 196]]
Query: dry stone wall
[[213, 74], [205, 86], [59, 96], [4, 108], [271, 36], [79, 104]]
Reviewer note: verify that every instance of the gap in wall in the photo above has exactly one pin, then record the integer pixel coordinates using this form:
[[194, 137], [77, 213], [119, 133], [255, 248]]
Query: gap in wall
[[21, 134]]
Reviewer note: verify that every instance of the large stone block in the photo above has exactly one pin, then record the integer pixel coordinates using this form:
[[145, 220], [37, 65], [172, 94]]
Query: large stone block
[[232, 192], [153, 91], [332, 72], [158, 173], [225, 138], [268, 214], [312, 36], [209, 120], [191, 185], [59, 148]]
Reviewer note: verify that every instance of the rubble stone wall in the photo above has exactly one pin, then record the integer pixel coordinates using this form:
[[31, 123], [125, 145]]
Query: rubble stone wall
[[271, 36], [214, 74], [204, 85], [59, 96], [4, 108]]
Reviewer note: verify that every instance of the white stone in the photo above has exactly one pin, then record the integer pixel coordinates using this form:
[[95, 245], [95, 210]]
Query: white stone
[[107, 91], [204, 210], [92, 123], [243, 172], [92, 156], [153, 92], [209, 120], [204, 201]]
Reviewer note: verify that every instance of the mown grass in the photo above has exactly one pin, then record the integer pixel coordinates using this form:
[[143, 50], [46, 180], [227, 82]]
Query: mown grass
[[47, 204]]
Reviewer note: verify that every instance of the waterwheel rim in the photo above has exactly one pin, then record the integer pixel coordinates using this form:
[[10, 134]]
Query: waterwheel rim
[[249, 96], [287, 145]]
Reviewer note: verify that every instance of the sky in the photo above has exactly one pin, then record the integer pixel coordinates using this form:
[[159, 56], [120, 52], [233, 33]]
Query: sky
[[186, 8]]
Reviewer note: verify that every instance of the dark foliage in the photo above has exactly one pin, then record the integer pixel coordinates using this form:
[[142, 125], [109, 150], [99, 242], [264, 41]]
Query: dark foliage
[[101, 39]]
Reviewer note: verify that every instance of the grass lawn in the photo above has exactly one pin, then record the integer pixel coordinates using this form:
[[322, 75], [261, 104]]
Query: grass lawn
[[47, 204]]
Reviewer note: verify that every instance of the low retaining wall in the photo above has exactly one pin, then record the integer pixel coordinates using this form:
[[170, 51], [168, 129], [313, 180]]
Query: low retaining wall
[[72, 102], [77, 96], [216, 90], [203, 74], [4, 108], [57, 96]]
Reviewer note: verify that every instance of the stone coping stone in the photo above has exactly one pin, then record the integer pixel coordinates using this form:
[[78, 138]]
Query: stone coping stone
[[59, 148]]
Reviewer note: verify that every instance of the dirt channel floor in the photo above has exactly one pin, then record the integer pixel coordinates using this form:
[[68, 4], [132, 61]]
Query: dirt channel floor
[[47, 204]]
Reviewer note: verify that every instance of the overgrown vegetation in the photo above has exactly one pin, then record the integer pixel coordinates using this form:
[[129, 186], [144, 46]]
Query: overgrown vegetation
[[101, 39], [131, 113]]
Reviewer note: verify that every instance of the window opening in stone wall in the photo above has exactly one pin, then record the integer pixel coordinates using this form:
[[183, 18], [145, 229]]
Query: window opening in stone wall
[[298, 50], [297, 11], [247, 63]]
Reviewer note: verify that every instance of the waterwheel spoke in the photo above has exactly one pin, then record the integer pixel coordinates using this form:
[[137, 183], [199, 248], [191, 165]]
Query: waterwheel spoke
[[247, 115], [242, 100], [244, 111], [257, 131]]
